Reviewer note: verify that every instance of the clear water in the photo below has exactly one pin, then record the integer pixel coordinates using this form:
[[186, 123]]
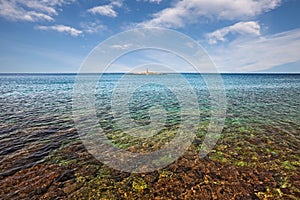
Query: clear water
[[41, 155]]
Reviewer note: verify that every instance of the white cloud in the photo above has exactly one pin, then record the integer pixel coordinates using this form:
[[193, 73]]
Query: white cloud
[[155, 1], [93, 27], [257, 54], [39, 5], [243, 28], [191, 11], [150, 1], [117, 3], [30, 10], [106, 10], [123, 46], [62, 28]]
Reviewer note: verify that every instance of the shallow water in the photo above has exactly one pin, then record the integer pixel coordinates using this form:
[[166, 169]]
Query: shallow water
[[257, 156]]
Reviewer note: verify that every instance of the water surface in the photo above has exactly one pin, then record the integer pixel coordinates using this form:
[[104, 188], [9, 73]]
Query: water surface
[[257, 156]]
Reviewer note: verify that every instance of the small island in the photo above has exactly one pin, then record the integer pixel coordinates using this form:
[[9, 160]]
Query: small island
[[147, 72]]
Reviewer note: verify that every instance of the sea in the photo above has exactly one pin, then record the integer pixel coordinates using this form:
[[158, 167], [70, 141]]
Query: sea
[[256, 156]]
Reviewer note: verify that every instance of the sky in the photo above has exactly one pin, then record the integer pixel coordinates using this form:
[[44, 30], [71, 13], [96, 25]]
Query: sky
[[56, 36]]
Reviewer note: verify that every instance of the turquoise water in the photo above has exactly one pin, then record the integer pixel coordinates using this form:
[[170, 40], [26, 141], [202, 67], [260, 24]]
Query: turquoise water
[[42, 156]]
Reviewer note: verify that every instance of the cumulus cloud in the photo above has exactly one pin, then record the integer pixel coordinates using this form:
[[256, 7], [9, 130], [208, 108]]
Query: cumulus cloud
[[30, 10], [190, 11], [243, 28], [106, 10], [62, 28], [259, 53]]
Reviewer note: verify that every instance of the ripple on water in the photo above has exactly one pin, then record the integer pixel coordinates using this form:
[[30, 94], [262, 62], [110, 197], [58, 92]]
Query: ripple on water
[[257, 157]]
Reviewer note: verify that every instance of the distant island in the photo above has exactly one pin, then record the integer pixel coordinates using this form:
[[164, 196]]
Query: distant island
[[147, 72]]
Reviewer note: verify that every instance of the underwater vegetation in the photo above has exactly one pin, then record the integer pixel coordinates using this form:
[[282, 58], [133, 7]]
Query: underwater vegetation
[[244, 164]]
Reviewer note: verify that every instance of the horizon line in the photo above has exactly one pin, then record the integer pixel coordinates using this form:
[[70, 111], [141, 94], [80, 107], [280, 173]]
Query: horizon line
[[74, 73]]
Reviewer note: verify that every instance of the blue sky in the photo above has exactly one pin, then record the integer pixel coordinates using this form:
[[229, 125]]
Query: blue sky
[[238, 35]]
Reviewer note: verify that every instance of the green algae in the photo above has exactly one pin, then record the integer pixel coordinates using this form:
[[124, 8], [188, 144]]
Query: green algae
[[59, 160], [66, 162], [122, 145], [240, 163], [218, 156], [139, 184], [80, 179], [288, 165], [163, 160], [165, 174]]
